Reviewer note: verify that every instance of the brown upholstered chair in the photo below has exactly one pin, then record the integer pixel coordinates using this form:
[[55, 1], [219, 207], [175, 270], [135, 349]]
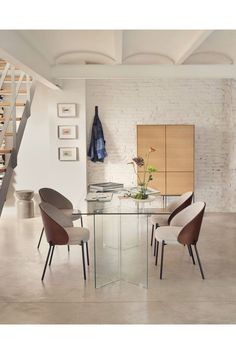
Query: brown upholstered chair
[[51, 196], [174, 208], [59, 230], [184, 229]]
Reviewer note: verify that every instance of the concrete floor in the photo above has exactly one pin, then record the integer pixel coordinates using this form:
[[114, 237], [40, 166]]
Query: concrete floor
[[182, 297]]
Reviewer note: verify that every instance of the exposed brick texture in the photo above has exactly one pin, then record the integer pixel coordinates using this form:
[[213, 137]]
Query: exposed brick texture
[[209, 104]]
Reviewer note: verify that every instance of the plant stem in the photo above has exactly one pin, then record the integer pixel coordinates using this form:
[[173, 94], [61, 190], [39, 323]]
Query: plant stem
[[139, 180], [145, 170]]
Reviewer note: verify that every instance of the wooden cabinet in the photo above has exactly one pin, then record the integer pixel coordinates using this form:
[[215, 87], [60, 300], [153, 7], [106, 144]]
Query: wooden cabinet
[[152, 135], [174, 158], [179, 147], [179, 182]]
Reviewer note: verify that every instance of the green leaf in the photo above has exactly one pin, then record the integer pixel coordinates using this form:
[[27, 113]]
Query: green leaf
[[151, 169]]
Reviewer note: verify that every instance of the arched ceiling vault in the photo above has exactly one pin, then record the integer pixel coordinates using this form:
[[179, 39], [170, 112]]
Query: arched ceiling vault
[[134, 46]]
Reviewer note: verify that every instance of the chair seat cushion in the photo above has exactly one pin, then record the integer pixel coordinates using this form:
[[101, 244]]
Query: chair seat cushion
[[69, 212], [169, 234], [77, 234], [161, 220]]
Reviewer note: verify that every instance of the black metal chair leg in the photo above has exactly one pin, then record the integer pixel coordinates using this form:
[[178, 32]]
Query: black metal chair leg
[[155, 245], [157, 248], [50, 262], [68, 248], [46, 263], [82, 246], [199, 262], [152, 235], [162, 257], [40, 238], [87, 251], [191, 253], [81, 222]]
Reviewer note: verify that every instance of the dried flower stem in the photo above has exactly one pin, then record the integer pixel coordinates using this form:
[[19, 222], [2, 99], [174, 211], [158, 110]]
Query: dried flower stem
[[136, 172]]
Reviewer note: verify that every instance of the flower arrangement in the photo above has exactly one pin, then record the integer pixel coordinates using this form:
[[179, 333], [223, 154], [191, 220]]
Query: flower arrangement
[[144, 174]]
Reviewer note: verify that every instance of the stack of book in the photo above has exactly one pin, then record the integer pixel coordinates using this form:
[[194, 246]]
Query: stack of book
[[105, 187], [100, 197]]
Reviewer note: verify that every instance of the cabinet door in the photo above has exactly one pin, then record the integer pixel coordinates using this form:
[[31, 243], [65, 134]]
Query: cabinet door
[[152, 136], [158, 181], [179, 182], [179, 148]]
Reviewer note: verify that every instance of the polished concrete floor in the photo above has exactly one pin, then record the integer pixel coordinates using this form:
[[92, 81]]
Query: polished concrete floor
[[182, 297]]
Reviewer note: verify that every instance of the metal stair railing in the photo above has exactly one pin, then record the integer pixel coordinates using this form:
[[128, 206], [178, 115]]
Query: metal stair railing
[[17, 135]]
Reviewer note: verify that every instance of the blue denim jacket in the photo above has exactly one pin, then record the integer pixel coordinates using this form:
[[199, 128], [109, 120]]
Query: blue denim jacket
[[97, 150]]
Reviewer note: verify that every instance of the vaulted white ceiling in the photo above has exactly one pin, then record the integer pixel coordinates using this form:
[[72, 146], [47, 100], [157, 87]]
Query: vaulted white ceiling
[[54, 55], [134, 46]]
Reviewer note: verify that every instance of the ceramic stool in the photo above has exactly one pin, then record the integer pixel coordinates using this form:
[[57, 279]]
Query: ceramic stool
[[25, 204]]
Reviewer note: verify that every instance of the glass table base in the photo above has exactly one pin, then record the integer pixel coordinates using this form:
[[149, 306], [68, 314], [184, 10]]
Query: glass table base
[[121, 249]]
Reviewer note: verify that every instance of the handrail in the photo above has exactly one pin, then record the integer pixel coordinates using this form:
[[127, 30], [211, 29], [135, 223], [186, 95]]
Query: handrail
[[26, 114]]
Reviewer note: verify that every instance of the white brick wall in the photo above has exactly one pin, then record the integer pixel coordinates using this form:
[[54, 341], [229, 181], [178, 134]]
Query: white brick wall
[[209, 104]]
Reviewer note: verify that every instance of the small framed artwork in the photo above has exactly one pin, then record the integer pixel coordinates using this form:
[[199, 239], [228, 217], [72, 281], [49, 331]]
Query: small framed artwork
[[68, 154], [66, 110], [67, 131]]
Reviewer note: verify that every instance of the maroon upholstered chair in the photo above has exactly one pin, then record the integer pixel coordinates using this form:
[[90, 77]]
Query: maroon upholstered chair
[[59, 230], [184, 229], [53, 197]]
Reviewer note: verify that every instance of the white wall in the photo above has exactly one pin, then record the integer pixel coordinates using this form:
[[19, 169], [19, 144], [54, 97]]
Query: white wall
[[209, 104], [38, 164]]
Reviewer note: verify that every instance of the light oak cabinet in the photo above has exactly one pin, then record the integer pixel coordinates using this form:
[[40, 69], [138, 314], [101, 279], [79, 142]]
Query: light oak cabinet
[[174, 158]]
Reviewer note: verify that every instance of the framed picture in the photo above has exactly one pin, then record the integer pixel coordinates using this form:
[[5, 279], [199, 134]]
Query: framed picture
[[66, 110], [68, 154], [67, 131]]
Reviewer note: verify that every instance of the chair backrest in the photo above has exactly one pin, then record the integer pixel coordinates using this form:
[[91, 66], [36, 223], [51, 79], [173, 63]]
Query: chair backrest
[[190, 219], [49, 195], [53, 219], [183, 201]]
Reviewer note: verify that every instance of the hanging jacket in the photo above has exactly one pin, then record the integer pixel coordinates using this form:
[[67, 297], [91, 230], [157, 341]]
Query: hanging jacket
[[97, 150]]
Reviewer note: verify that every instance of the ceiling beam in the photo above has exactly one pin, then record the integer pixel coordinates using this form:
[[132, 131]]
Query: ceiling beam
[[64, 71], [193, 45], [118, 46], [14, 49]]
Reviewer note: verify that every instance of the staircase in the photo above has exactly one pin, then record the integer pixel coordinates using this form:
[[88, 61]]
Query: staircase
[[16, 95]]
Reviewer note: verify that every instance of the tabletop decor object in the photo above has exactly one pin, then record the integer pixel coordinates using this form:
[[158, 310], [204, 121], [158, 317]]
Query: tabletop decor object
[[144, 173]]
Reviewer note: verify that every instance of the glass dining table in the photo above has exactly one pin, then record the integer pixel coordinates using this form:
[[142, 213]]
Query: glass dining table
[[121, 239]]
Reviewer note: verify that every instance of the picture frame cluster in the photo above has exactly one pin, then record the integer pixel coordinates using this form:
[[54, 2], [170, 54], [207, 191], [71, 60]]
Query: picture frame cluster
[[67, 132]]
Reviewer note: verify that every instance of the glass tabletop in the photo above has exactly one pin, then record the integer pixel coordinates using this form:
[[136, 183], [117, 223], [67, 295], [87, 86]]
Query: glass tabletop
[[120, 205]]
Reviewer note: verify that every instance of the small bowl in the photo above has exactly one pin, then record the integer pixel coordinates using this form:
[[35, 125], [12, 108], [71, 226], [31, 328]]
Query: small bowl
[[24, 194]]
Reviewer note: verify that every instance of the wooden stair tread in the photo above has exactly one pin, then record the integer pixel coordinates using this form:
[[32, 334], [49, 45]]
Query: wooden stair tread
[[8, 79], [8, 104], [17, 119], [2, 67], [5, 151], [3, 169], [8, 134], [8, 92]]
